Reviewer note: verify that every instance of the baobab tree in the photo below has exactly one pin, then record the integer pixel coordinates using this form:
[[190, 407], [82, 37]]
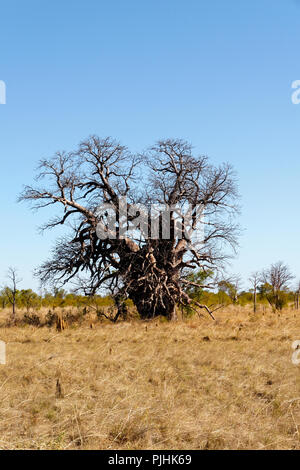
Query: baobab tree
[[153, 270]]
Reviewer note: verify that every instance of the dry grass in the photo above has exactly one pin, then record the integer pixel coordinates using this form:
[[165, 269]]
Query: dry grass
[[190, 385]]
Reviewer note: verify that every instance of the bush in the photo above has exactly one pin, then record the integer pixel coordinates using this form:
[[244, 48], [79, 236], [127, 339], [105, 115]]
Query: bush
[[31, 319], [50, 318]]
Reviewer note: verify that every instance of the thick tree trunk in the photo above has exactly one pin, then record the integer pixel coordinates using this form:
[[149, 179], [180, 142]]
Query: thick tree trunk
[[151, 285], [152, 308]]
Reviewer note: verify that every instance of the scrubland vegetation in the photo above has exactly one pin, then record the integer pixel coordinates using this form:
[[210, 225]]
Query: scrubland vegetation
[[190, 384], [77, 379], [177, 355]]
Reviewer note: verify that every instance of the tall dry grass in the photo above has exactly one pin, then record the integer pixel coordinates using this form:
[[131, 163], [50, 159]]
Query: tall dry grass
[[193, 384]]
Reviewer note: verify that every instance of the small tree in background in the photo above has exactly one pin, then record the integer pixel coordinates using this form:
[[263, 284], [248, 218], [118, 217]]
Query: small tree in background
[[254, 280], [231, 287], [296, 296], [3, 298], [11, 290], [275, 282], [28, 299]]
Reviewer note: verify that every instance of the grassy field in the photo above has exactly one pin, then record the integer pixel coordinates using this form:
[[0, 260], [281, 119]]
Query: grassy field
[[194, 384]]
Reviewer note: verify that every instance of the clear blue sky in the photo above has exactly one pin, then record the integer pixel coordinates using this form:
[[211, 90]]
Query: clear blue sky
[[215, 72]]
